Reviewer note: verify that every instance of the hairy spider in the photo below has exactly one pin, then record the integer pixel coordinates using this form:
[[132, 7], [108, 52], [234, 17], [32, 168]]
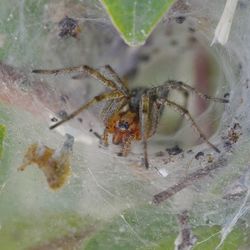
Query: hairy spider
[[132, 115]]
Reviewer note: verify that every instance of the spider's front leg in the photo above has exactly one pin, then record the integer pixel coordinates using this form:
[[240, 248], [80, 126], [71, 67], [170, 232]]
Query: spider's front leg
[[126, 146], [99, 98], [105, 136], [121, 85], [80, 69]]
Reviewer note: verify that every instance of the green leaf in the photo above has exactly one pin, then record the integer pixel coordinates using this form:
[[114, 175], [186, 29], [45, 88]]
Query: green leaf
[[209, 238], [137, 228], [135, 19], [2, 135], [63, 230]]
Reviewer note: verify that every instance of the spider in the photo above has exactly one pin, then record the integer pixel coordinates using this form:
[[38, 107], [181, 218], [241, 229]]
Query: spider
[[132, 115]]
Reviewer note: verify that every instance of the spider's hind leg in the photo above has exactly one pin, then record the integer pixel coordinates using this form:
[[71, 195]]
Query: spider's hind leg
[[184, 104], [184, 112]]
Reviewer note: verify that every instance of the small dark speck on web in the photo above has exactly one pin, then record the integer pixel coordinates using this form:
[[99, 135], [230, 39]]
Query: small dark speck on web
[[240, 66], [62, 114], [79, 119], [95, 134], [247, 82], [159, 154], [64, 98], [192, 40], [174, 151], [226, 95], [242, 5], [144, 57], [227, 145], [54, 119], [180, 19], [237, 126], [199, 155], [191, 29], [173, 42]]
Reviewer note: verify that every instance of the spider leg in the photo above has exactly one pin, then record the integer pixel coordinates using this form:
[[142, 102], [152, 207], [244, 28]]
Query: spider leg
[[144, 125], [96, 99], [112, 107], [83, 68], [105, 137], [126, 146], [186, 87], [120, 83], [187, 115], [155, 115], [185, 94]]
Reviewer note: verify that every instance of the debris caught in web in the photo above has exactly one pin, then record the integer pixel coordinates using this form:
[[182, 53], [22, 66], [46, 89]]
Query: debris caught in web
[[55, 164]]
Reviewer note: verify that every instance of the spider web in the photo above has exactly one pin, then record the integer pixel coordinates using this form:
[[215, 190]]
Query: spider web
[[112, 202]]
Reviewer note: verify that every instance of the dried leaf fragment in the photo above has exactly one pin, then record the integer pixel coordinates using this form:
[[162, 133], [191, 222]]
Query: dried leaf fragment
[[55, 164]]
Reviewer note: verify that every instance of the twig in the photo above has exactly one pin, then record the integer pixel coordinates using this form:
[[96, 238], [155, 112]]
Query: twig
[[188, 180], [185, 239]]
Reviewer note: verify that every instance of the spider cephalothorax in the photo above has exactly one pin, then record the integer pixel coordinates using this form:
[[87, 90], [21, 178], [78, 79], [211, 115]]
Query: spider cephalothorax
[[123, 126], [131, 115]]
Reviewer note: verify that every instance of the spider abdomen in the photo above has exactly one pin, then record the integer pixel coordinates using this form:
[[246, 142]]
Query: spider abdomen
[[135, 98]]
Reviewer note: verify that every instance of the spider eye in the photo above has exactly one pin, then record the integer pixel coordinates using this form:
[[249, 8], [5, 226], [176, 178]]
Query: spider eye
[[123, 125]]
